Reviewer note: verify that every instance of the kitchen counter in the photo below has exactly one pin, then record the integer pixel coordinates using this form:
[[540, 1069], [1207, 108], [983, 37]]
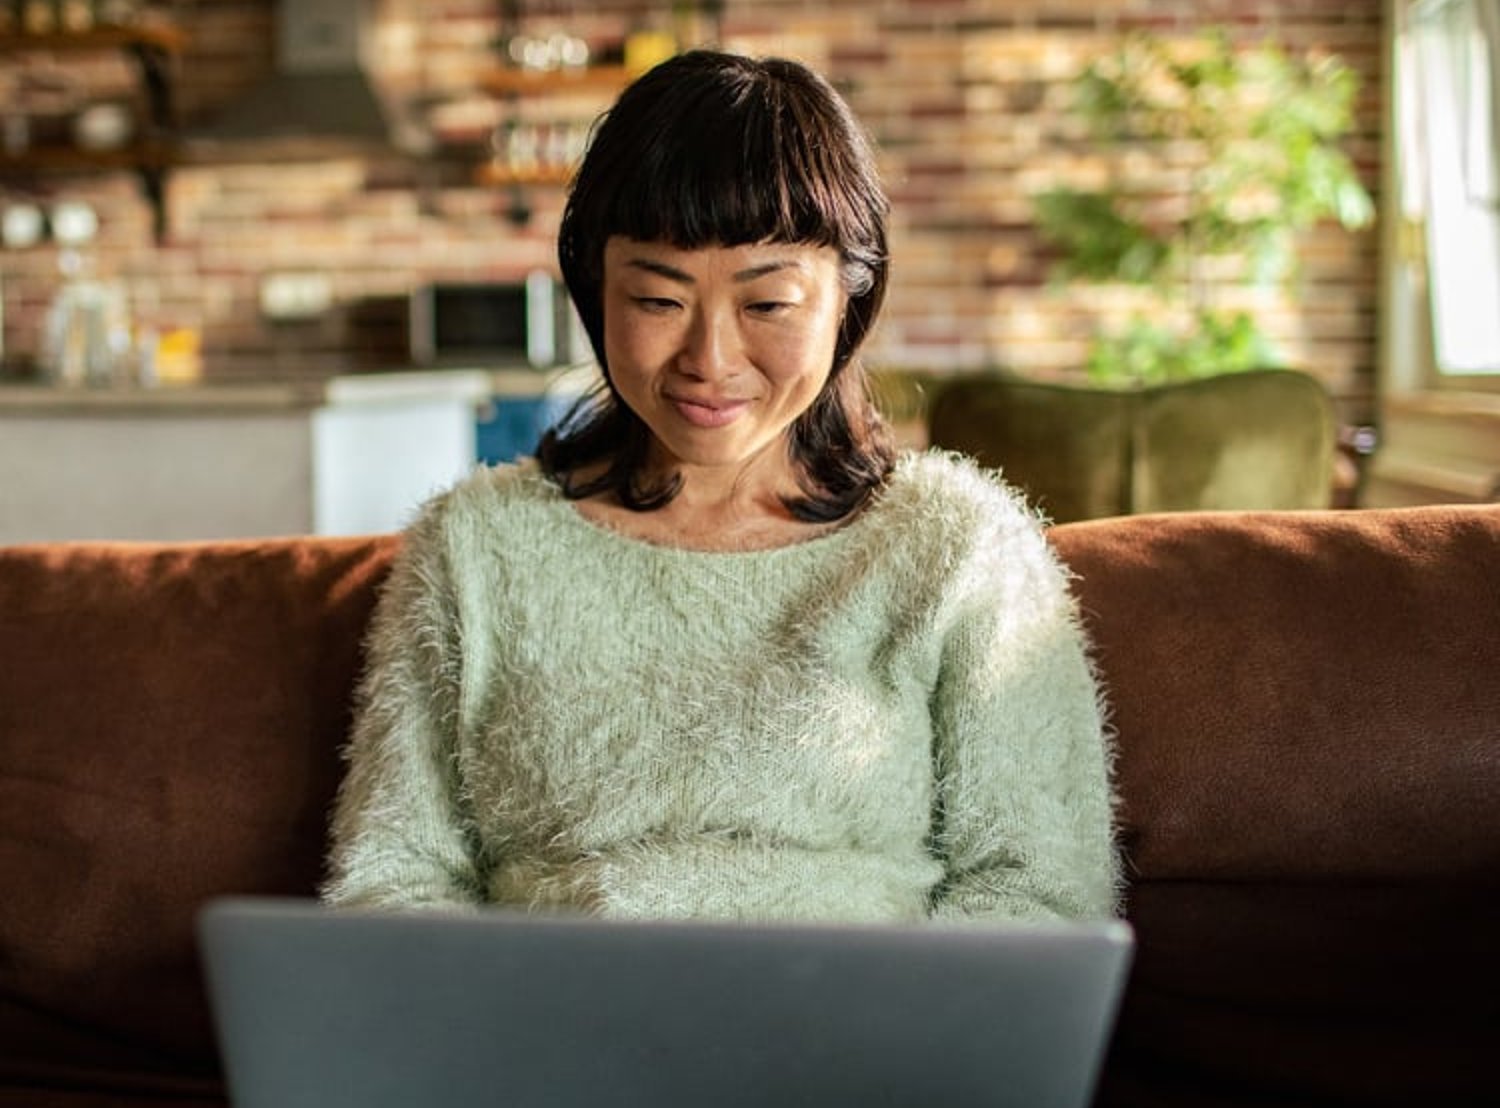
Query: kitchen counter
[[361, 388], [35, 399], [352, 454]]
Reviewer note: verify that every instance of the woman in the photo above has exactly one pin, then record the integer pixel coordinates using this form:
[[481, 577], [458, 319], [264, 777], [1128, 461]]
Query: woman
[[719, 652]]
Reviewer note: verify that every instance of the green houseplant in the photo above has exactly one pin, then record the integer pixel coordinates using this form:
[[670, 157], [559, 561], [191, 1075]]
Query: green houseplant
[[1215, 157]]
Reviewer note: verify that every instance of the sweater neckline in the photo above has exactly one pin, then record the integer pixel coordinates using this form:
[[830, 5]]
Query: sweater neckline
[[826, 540]]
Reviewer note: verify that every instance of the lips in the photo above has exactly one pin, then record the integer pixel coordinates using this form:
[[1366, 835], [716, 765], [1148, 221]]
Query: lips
[[709, 413]]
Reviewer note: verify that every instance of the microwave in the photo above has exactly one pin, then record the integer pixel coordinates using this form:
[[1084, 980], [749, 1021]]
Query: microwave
[[495, 324]]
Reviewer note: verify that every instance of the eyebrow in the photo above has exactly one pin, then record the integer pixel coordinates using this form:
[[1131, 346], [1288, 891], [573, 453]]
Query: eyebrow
[[672, 273]]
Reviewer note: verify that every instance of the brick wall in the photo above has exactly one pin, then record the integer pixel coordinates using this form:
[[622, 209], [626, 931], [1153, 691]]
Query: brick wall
[[964, 97]]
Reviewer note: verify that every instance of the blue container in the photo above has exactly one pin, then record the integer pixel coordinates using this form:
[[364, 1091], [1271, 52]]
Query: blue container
[[512, 426]]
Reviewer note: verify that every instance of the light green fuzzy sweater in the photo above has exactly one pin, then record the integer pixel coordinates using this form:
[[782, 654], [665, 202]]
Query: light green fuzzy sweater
[[891, 722]]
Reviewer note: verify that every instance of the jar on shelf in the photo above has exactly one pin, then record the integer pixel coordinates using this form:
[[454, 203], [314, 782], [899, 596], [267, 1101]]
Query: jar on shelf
[[38, 17], [117, 13], [75, 17]]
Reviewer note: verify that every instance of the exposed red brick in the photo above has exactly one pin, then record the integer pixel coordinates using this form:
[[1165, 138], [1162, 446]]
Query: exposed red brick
[[965, 98]]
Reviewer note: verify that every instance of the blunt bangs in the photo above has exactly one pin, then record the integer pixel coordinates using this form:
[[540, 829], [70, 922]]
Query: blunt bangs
[[740, 182]]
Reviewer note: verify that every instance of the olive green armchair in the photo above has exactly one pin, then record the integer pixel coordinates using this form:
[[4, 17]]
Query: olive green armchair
[[1258, 439]]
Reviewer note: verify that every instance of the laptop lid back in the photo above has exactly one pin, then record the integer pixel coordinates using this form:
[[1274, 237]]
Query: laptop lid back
[[325, 1008]]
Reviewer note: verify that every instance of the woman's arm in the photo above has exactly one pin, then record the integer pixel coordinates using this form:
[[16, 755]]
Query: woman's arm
[[400, 836], [1024, 822]]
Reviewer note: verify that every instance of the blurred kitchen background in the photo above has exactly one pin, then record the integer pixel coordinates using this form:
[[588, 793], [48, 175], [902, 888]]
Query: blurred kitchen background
[[219, 214]]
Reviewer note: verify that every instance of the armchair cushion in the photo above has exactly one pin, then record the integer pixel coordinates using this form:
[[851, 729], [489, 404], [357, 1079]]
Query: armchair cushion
[[1263, 439]]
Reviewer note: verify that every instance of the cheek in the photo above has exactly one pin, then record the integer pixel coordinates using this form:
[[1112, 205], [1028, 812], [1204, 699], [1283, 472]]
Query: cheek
[[802, 370], [819, 344], [620, 352], [631, 336], [835, 322], [634, 357]]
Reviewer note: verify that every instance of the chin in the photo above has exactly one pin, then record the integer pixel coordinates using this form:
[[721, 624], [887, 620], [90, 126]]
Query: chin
[[713, 455]]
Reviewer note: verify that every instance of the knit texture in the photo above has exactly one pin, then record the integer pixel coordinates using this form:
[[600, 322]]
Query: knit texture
[[894, 721]]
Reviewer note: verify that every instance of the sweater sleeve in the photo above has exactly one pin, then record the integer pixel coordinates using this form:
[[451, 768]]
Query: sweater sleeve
[[400, 835], [1024, 818]]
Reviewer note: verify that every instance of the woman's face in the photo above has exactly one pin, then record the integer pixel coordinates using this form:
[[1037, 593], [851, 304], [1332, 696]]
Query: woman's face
[[718, 350]]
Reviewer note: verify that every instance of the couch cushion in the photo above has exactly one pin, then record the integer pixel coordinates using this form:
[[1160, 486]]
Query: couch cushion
[[1308, 717], [169, 724]]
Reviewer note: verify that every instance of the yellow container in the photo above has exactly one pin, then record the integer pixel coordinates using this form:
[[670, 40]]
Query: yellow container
[[645, 49]]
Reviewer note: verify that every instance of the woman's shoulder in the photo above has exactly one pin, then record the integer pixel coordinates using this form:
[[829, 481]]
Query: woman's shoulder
[[945, 488], [946, 512], [487, 487], [489, 498]]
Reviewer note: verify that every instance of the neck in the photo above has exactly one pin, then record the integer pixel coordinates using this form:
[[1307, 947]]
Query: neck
[[753, 489], [713, 511], [725, 511]]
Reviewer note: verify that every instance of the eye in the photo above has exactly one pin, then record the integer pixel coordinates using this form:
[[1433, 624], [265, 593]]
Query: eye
[[656, 304], [769, 307]]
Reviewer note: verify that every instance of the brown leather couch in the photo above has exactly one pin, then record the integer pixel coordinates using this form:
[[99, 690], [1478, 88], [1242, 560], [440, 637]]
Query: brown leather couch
[[1308, 712]]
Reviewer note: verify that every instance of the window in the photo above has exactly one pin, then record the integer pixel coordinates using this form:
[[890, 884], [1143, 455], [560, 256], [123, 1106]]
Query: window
[[1439, 433], [1448, 132]]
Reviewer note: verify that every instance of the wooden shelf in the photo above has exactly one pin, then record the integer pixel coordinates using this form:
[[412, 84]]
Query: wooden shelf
[[552, 82], [495, 173], [69, 159], [516, 84], [156, 36]]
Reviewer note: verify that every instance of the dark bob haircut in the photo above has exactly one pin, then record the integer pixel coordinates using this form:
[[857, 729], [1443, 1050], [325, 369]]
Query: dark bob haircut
[[716, 149]]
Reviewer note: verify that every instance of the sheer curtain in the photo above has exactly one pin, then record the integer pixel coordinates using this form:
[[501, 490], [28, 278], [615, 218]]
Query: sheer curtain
[[1450, 137]]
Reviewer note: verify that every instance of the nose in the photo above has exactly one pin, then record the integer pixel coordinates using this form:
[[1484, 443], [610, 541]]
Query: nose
[[710, 346]]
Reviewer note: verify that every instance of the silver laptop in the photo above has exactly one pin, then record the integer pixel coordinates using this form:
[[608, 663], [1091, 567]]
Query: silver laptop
[[326, 1008]]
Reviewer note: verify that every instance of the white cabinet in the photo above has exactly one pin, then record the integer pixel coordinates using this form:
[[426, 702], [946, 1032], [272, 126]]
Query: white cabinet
[[352, 455]]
